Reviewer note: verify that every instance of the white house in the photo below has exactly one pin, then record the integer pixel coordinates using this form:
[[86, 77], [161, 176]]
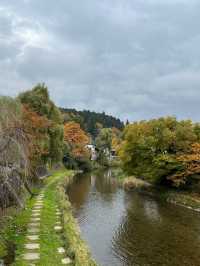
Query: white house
[[93, 151]]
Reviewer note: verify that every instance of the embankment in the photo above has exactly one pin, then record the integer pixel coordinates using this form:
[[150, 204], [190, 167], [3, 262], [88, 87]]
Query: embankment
[[71, 230], [179, 197]]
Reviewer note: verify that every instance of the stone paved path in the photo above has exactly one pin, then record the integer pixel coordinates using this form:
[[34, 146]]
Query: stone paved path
[[32, 252], [32, 246]]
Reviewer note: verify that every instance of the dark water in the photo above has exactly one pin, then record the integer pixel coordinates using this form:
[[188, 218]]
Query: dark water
[[131, 229]]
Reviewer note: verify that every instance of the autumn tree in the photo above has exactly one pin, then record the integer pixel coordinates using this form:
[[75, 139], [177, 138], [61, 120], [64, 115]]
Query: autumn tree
[[191, 166], [36, 127], [116, 139], [76, 153], [76, 138], [31, 134], [151, 149], [39, 102]]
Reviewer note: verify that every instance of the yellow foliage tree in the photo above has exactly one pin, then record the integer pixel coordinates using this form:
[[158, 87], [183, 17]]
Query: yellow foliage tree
[[116, 139]]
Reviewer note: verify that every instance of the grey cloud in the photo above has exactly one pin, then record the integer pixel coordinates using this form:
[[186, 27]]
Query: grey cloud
[[133, 59]]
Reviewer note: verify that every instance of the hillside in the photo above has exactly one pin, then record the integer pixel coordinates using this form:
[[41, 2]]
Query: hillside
[[91, 121]]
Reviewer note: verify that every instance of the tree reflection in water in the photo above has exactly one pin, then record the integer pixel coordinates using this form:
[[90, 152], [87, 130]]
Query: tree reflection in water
[[156, 234], [131, 229]]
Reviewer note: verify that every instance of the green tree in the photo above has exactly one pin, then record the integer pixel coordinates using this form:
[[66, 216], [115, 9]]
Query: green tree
[[104, 145]]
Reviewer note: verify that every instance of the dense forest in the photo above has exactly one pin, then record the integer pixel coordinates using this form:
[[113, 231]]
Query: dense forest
[[91, 122]]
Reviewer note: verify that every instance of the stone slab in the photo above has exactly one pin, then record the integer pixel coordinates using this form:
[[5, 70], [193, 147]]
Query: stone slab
[[31, 256], [66, 261], [38, 207], [36, 219], [35, 214], [36, 211], [61, 250], [33, 230], [32, 246], [58, 228], [33, 237]]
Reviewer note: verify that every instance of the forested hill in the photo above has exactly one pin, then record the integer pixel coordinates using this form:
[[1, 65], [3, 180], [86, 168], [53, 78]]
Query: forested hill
[[91, 121]]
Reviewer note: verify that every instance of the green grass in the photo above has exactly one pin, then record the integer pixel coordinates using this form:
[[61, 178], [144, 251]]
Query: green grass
[[54, 195], [50, 240], [14, 228], [76, 247]]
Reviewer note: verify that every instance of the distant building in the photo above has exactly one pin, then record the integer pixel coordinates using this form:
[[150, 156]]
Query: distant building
[[93, 152]]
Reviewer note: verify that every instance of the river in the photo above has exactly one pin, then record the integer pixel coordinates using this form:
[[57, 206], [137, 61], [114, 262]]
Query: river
[[130, 229]]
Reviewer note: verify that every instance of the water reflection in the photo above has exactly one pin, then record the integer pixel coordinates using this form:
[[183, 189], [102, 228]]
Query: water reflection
[[130, 229], [106, 186], [152, 211], [79, 191]]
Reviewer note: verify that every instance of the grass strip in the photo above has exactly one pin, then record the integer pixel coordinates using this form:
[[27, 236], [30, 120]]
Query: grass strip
[[13, 231], [76, 247], [50, 240]]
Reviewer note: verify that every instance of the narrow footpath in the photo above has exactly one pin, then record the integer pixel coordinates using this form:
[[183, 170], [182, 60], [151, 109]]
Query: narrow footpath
[[45, 233], [44, 242]]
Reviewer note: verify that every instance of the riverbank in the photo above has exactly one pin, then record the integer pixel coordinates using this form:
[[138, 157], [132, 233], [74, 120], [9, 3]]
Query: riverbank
[[45, 232], [71, 231], [185, 199]]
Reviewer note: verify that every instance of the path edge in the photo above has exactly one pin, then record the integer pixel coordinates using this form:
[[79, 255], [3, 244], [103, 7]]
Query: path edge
[[71, 230]]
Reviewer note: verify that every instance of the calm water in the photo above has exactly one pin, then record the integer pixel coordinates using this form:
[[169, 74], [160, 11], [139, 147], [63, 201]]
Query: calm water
[[130, 229]]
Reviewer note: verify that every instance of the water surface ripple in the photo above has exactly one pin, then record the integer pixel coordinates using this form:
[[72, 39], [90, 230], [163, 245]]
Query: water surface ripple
[[130, 229]]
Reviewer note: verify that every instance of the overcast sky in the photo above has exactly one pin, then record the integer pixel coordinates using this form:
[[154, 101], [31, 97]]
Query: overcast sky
[[134, 59]]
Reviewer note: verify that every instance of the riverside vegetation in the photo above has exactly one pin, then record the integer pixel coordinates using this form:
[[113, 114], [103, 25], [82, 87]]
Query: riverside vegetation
[[165, 153], [37, 137]]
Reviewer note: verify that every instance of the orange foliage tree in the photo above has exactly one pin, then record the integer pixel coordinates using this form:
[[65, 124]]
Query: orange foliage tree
[[191, 163], [76, 138], [36, 127]]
